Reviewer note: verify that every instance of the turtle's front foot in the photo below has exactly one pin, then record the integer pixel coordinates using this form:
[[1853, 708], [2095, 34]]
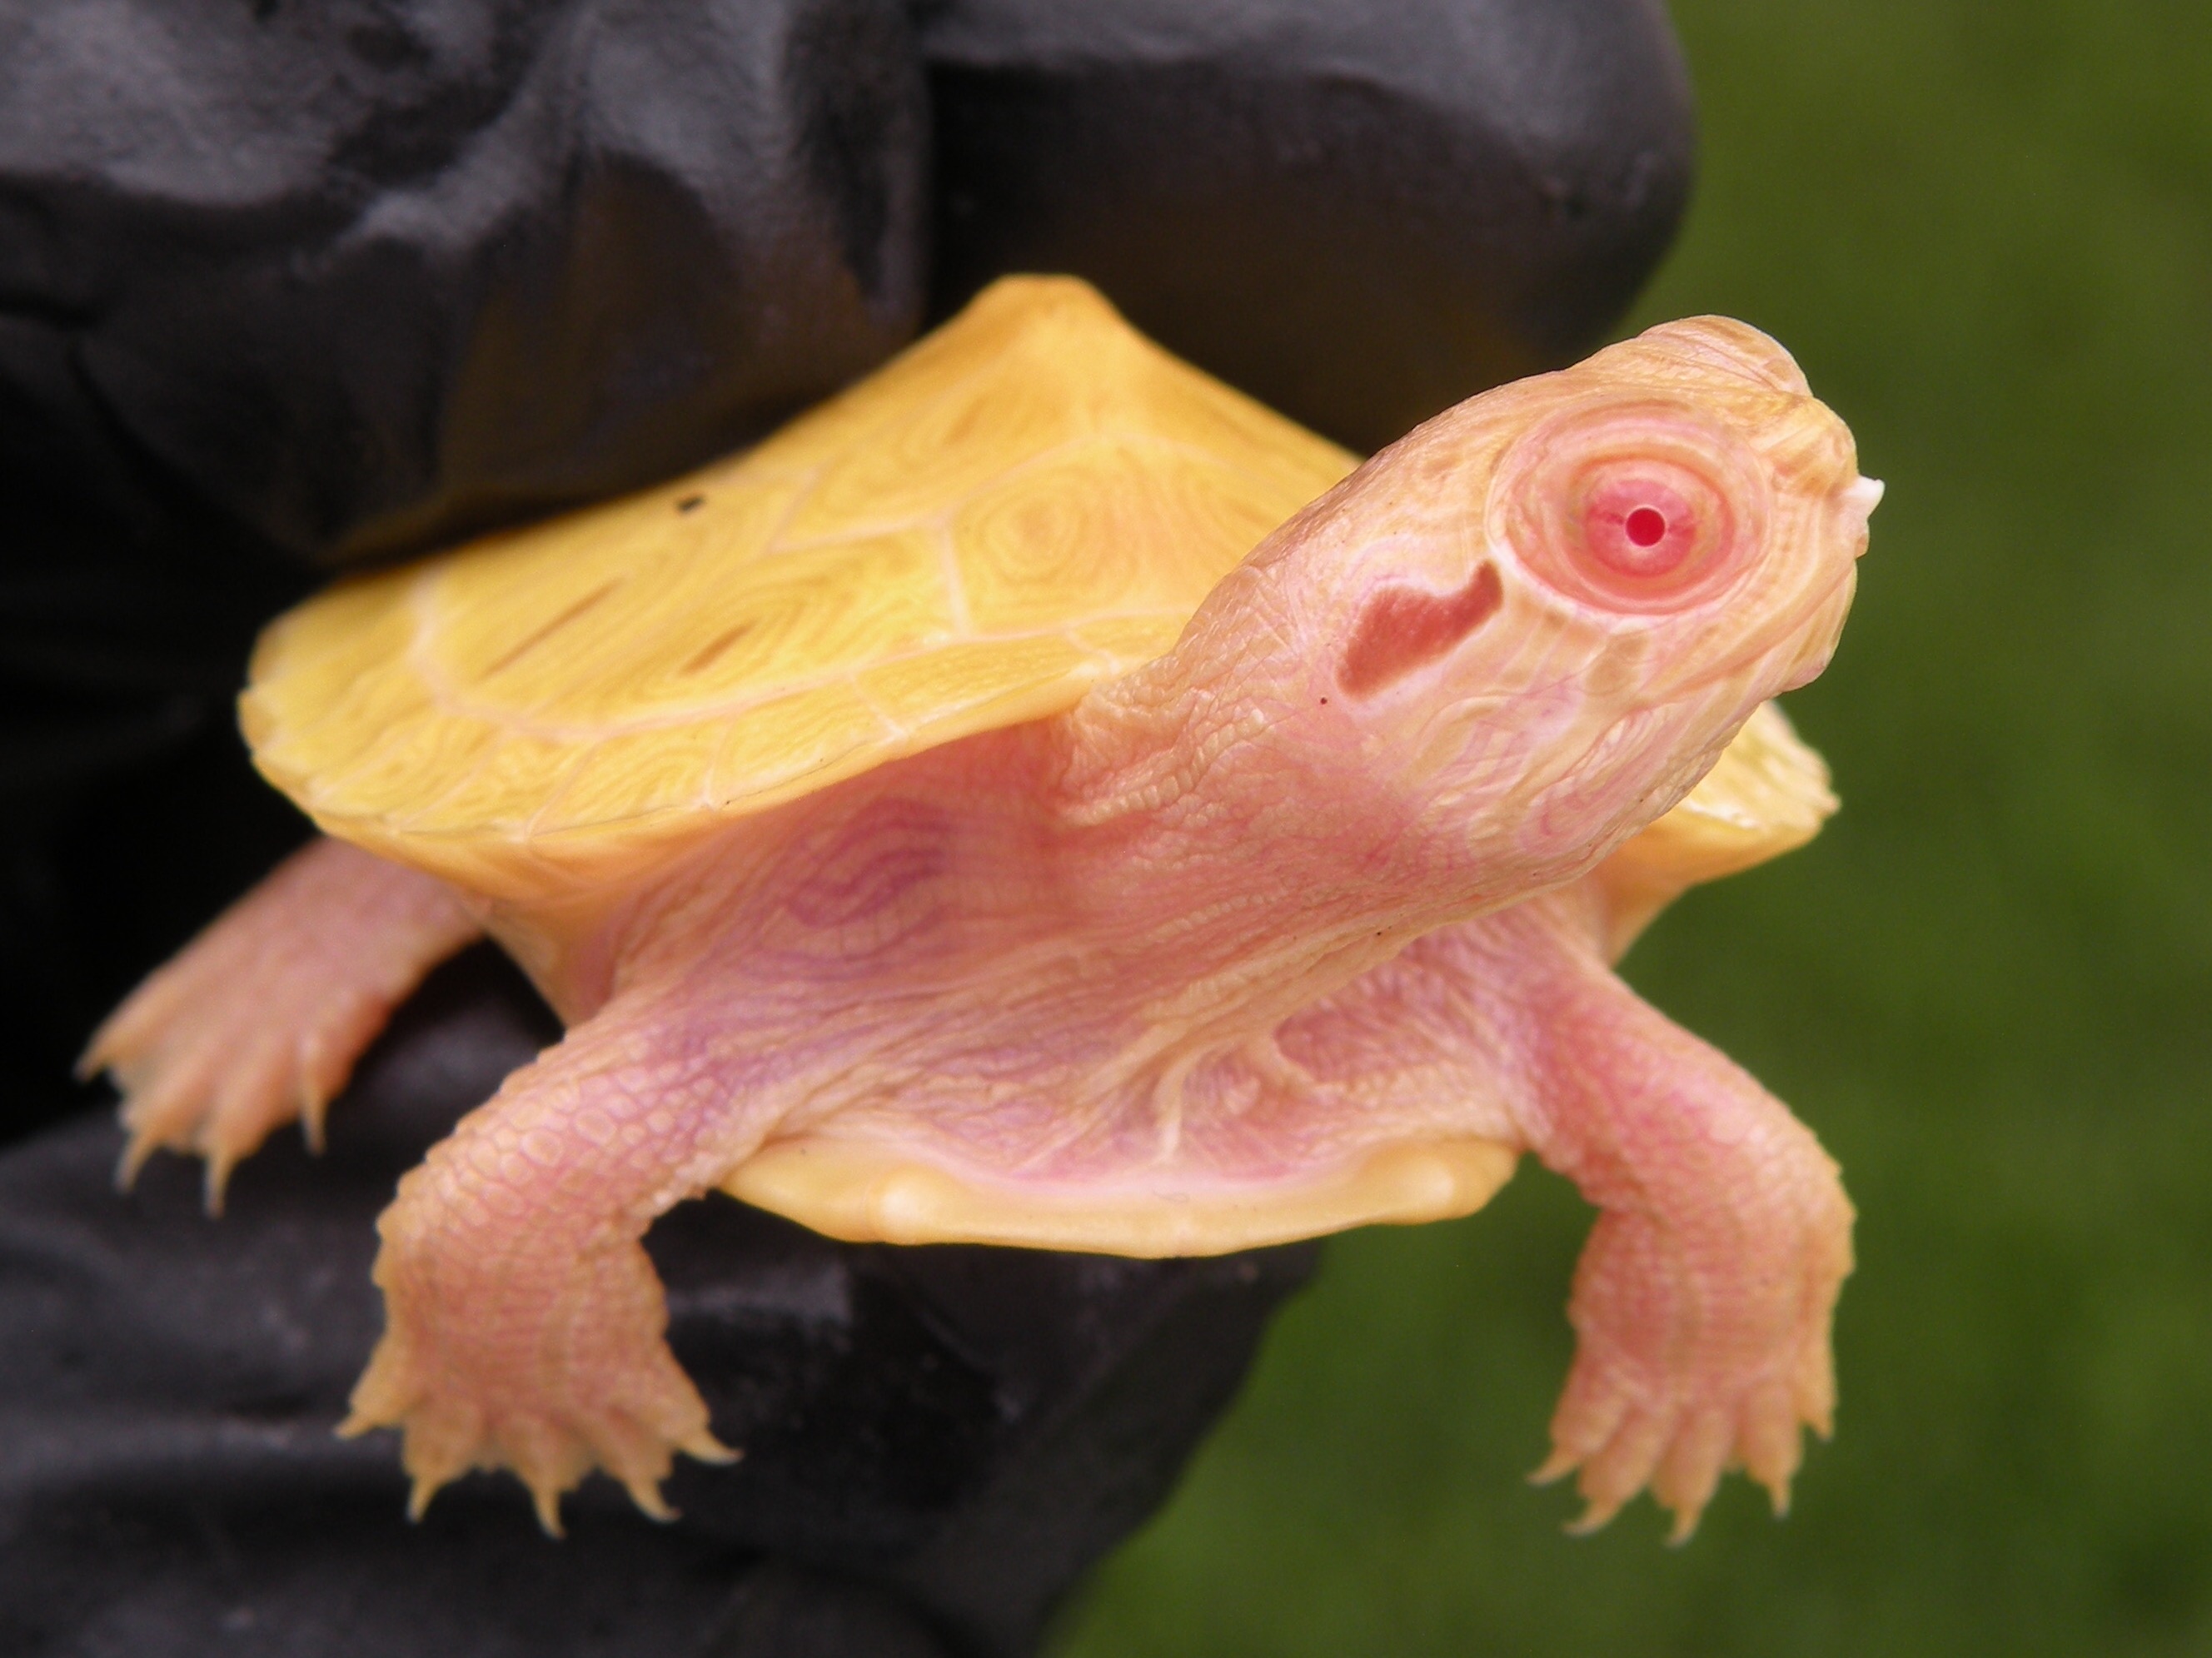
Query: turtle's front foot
[[259, 1020], [1680, 1375], [524, 1325]]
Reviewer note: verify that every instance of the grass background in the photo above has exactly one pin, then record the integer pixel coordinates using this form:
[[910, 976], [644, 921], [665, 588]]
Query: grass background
[[1986, 232]]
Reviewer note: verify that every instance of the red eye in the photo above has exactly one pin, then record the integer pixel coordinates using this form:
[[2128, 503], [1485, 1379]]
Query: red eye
[[1639, 527], [1633, 508]]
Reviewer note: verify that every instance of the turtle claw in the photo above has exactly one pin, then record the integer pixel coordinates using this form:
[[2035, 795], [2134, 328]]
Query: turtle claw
[[215, 1181], [1678, 1442], [444, 1438], [206, 1088], [644, 1487], [137, 1149], [314, 1097]]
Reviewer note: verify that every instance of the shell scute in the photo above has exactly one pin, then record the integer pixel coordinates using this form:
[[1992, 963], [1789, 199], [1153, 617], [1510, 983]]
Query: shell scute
[[644, 776], [919, 469], [359, 723], [1097, 530], [1016, 679], [1277, 458], [716, 650], [497, 796], [323, 653], [389, 778], [814, 738]]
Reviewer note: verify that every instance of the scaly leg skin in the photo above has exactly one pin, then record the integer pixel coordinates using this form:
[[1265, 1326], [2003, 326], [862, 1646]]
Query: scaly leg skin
[[259, 1020], [1702, 1303], [1703, 1299], [524, 1325]]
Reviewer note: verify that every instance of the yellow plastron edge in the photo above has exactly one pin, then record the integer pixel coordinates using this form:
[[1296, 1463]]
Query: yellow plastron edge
[[861, 1194]]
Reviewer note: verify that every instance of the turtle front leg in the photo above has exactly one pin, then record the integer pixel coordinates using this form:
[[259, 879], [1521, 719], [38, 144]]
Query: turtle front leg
[[524, 1324], [259, 1019], [1703, 1299], [1702, 1303]]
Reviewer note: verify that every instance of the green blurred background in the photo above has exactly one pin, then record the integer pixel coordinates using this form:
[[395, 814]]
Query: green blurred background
[[1986, 232]]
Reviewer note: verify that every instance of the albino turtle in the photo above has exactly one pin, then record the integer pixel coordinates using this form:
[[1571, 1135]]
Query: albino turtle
[[934, 825]]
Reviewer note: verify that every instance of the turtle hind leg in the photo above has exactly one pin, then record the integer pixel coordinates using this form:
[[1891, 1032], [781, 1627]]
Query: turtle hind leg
[[525, 1328], [259, 1020]]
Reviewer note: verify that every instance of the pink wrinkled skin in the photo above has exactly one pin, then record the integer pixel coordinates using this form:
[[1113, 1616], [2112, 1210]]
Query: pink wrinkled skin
[[1310, 887]]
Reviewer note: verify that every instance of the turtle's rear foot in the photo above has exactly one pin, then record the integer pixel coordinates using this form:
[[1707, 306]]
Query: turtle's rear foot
[[259, 1020]]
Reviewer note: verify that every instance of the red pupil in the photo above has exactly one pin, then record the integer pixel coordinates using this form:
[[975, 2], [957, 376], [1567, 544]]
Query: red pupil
[[1646, 526]]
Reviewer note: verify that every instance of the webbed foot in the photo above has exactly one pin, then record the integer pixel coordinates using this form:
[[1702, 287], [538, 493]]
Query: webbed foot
[[1679, 1378], [569, 1375], [524, 1324], [259, 1020]]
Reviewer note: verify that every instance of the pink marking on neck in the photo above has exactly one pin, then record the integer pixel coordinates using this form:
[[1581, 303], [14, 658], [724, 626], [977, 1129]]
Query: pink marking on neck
[[1403, 628]]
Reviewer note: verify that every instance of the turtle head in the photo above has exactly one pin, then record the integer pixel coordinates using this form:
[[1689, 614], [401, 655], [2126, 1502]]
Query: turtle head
[[1542, 615]]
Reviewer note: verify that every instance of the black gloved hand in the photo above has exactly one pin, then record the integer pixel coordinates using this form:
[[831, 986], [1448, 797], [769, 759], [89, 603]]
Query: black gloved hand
[[1358, 213]]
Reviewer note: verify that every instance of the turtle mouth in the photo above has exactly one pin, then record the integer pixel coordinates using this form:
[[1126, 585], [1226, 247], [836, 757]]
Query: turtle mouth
[[1858, 498]]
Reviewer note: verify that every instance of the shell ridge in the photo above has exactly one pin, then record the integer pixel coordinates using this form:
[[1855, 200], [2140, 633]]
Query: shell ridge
[[467, 777], [898, 729], [777, 539], [317, 786], [956, 584], [558, 731], [914, 414], [668, 624], [424, 661], [944, 516]]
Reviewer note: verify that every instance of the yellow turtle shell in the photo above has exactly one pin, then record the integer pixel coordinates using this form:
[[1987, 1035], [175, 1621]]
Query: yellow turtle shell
[[1031, 500]]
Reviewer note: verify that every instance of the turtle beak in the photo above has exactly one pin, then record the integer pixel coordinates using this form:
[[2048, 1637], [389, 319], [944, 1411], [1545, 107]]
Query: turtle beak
[[1859, 499]]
